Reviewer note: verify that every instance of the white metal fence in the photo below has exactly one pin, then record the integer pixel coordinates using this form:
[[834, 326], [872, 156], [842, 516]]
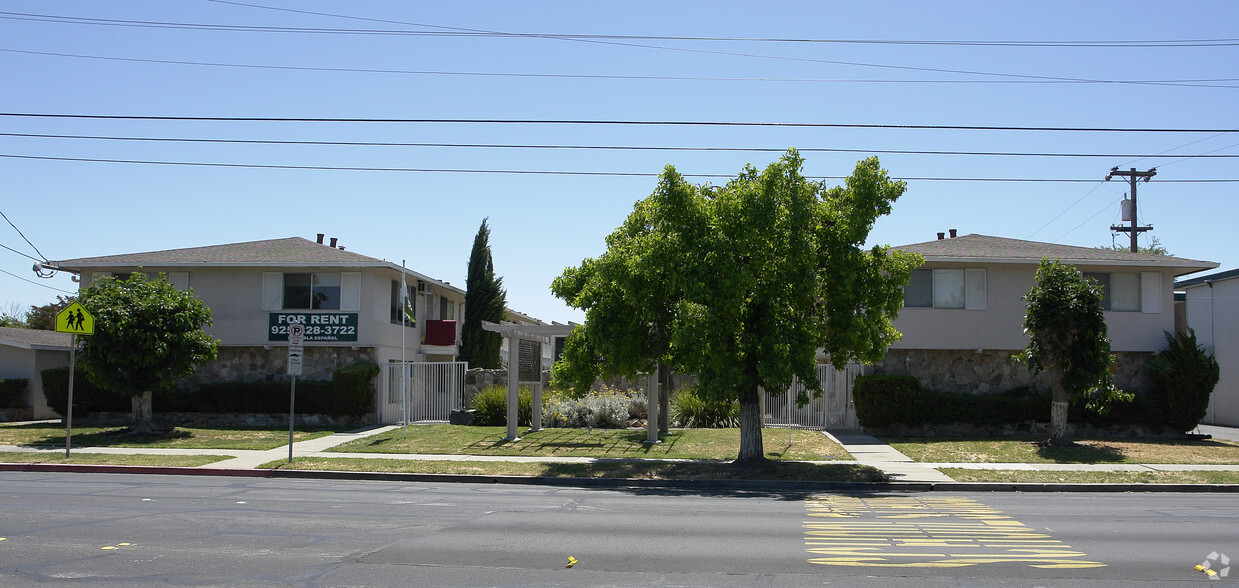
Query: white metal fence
[[832, 410], [428, 390]]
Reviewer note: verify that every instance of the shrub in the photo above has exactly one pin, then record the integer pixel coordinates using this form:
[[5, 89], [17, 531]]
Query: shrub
[[690, 409], [86, 396], [351, 393], [1184, 376], [603, 409], [13, 392], [490, 406], [883, 399]]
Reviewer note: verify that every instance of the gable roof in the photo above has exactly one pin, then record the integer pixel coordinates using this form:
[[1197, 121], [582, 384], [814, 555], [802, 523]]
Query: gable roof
[[1203, 280], [35, 339], [289, 251], [295, 252], [987, 249]]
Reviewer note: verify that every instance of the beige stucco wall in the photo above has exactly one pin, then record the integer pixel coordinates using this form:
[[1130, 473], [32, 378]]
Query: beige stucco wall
[[234, 296], [1214, 314], [999, 326], [16, 362]]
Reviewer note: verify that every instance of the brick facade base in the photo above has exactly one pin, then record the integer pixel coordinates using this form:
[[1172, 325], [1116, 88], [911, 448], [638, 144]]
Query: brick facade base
[[988, 371]]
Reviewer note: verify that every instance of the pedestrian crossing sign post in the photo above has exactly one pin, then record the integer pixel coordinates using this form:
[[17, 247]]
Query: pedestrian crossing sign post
[[77, 321]]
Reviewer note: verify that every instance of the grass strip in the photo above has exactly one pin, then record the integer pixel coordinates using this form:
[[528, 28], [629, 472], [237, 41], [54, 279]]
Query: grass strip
[[1185, 477], [256, 438], [722, 444], [638, 469], [1027, 450], [182, 461]]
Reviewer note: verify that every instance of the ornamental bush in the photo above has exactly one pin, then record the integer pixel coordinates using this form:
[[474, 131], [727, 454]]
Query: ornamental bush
[[491, 406], [884, 399], [690, 409], [1184, 376], [607, 408], [13, 392]]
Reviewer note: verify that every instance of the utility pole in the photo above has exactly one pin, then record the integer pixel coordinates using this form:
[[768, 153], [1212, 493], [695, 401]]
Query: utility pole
[[1134, 176]]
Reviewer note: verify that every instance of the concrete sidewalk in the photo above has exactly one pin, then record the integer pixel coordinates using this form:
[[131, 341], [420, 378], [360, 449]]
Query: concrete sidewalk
[[867, 450]]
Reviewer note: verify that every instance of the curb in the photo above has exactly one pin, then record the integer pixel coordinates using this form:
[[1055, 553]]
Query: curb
[[634, 483]]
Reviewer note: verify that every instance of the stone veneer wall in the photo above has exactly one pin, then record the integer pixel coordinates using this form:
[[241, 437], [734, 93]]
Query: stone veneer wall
[[248, 364], [995, 371]]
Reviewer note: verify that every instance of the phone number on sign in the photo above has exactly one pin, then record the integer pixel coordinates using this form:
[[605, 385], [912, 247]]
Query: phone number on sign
[[315, 330]]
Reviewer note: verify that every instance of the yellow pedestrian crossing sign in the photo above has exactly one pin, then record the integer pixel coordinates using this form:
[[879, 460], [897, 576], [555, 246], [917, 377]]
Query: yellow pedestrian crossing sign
[[75, 319]]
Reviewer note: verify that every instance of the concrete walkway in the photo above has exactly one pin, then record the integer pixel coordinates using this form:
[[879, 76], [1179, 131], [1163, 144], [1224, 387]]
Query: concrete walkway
[[867, 450]]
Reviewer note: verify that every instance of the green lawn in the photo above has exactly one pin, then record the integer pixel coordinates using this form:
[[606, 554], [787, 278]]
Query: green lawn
[[720, 444], [184, 461], [1011, 450], [40, 435], [964, 475], [661, 470]]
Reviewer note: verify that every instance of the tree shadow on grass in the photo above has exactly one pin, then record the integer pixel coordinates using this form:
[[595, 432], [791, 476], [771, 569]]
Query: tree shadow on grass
[[1092, 452], [111, 437]]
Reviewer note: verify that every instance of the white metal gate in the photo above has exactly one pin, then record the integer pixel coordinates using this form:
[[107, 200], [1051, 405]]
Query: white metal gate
[[431, 391], [832, 410]]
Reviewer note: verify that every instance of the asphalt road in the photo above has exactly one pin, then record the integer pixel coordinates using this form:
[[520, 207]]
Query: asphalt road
[[140, 530]]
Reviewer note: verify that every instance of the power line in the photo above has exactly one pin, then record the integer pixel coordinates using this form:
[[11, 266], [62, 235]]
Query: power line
[[610, 147], [35, 283], [19, 232], [547, 172], [461, 32], [21, 253], [1193, 83], [611, 122]]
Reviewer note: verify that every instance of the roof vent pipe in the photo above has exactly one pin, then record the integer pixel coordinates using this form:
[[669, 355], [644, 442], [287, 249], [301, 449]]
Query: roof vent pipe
[[333, 241], [320, 238], [941, 236], [953, 233]]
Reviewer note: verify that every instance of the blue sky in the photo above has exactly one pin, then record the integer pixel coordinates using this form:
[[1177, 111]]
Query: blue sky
[[777, 63]]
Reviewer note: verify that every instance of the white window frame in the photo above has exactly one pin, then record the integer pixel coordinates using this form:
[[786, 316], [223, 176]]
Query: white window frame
[[974, 288]]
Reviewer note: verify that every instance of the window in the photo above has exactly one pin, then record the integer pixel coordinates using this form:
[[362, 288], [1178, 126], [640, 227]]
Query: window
[[314, 291], [447, 309], [397, 315], [946, 288], [311, 291], [1120, 291]]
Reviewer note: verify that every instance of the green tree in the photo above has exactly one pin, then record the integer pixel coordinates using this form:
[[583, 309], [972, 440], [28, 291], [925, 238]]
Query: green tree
[[740, 285], [1184, 375], [12, 316], [44, 317], [147, 334], [1154, 247], [1067, 337], [485, 299]]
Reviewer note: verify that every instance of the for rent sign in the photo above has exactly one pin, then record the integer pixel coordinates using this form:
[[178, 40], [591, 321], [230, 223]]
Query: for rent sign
[[320, 326]]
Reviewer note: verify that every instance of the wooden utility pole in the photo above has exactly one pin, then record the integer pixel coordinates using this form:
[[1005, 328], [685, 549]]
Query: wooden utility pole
[[1134, 176]]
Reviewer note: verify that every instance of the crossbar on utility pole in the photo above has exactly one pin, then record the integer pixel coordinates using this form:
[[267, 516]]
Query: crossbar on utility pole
[[1133, 176]]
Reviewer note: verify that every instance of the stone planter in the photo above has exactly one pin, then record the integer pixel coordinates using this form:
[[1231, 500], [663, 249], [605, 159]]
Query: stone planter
[[461, 416]]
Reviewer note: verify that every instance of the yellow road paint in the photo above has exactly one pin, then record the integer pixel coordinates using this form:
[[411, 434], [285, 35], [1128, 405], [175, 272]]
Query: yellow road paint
[[571, 561], [108, 547], [123, 544], [928, 532]]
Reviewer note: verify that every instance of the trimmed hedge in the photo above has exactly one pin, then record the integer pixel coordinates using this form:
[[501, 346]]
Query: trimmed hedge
[[491, 406], [883, 400], [348, 393], [13, 392]]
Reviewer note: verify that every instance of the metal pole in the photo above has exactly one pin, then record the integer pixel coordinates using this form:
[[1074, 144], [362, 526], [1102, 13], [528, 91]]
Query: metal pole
[[404, 354], [69, 410], [292, 401], [1133, 211], [789, 418]]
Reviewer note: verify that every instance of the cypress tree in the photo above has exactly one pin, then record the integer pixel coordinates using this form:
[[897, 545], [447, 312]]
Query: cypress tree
[[485, 299]]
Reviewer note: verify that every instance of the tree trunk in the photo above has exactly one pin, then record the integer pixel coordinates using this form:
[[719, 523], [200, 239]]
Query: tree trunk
[[752, 451], [664, 398], [1058, 416], [142, 422]]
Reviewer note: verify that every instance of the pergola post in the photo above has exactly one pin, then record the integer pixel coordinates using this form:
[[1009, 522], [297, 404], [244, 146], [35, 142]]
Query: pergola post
[[513, 386], [651, 403], [536, 423]]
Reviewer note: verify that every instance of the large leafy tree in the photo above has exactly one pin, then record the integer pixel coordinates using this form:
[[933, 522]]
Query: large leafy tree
[[741, 285], [1067, 337], [485, 299], [147, 334]]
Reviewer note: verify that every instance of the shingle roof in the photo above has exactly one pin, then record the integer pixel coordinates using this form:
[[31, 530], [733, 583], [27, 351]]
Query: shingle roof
[[292, 250], [34, 339], [984, 248]]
